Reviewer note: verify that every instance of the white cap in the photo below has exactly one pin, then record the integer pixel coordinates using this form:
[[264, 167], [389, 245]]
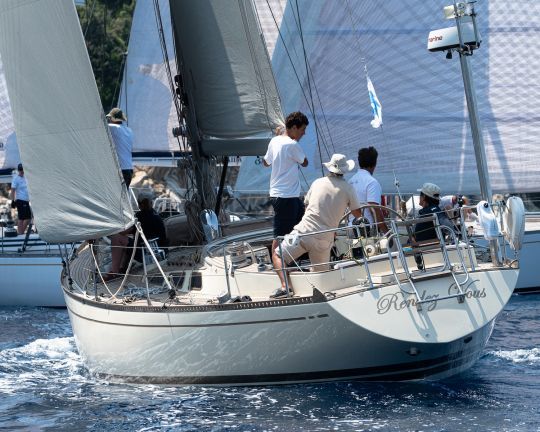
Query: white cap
[[431, 190]]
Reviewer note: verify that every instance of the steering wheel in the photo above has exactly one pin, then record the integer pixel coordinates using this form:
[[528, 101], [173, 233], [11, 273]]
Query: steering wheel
[[345, 217]]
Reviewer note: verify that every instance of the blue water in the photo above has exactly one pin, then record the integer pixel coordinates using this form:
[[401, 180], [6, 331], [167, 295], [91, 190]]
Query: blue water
[[44, 386]]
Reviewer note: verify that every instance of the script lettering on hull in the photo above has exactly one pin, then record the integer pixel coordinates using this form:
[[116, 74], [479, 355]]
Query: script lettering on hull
[[399, 301]]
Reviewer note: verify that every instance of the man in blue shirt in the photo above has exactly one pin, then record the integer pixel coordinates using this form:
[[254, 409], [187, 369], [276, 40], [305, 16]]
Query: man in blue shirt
[[21, 200]]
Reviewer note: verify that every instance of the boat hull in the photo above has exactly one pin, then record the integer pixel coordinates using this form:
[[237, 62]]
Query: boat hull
[[31, 280], [529, 275], [374, 334]]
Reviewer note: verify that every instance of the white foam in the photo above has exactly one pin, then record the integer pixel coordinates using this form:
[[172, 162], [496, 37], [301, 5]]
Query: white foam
[[40, 360], [520, 355]]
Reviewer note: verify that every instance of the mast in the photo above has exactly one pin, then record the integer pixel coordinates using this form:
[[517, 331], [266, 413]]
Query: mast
[[465, 51], [465, 47]]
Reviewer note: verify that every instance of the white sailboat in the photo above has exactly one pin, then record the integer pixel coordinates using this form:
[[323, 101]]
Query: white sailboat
[[204, 313], [426, 123]]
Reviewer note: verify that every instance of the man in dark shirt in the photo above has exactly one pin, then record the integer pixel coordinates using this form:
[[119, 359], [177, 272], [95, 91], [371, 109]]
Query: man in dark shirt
[[152, 226], [424, 231], [429, 201]]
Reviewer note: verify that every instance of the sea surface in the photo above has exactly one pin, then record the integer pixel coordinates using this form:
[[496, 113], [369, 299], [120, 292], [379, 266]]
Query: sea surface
[[45, 387]]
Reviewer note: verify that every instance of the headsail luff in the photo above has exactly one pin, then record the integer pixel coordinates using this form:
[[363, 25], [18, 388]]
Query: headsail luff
[[71, 165], [227, 75], [146, 96], [426, 123]]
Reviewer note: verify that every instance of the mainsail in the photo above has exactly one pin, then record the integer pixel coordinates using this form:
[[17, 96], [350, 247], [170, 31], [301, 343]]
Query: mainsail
[[226, 75], [145, 94], [71, 165], [426, 135]]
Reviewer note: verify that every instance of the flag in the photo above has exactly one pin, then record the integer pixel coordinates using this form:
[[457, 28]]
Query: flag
[[376, 106]]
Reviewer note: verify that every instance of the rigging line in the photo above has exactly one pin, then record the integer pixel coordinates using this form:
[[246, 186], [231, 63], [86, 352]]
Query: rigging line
[[314, 84], [288, 55], [325, 119], [163, 44], [309, 84], [89, 19], [122, 69]]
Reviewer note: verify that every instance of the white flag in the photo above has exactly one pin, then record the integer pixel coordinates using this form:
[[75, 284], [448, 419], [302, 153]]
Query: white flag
[[376, 106]]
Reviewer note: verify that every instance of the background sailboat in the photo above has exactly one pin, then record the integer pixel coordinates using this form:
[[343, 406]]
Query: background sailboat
[[75, 189], [30, 266]]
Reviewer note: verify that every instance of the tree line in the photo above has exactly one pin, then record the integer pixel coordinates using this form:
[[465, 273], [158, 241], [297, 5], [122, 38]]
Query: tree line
[[106, 25]]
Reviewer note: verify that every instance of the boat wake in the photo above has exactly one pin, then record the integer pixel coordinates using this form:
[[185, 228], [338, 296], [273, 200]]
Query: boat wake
[[519, 356], [40, 362]]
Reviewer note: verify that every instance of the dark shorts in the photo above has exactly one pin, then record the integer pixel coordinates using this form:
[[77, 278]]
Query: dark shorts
[[287, 213], [23, 210], [127, 174]]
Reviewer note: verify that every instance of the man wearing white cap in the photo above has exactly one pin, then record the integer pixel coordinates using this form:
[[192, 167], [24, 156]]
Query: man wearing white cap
[[326, 202], [430, 196]]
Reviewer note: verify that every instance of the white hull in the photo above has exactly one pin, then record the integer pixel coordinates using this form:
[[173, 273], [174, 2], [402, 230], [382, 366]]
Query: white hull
[[31, 281], [373, 334], [32, 277], [529, 275]]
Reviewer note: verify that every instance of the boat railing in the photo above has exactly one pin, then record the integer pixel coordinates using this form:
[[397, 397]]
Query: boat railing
[[399, 250], [352, 229], [417, 248]]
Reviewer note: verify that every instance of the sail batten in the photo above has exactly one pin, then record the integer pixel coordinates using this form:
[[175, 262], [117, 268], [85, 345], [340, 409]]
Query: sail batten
[[71, 166]]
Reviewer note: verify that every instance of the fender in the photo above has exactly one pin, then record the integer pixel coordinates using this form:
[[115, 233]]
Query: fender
[[514, 222], [488, 220]]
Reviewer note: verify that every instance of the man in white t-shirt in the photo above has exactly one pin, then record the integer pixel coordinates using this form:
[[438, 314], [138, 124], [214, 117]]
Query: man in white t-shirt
[[123, 140], [368, 189], [285, 156], [21, 200], [327, 199]]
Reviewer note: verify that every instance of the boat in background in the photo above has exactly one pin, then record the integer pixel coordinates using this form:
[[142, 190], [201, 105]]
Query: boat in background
[[30, 268], [31, 271]]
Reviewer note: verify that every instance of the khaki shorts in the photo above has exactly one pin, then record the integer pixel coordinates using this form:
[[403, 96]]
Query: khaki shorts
[[318, 247]]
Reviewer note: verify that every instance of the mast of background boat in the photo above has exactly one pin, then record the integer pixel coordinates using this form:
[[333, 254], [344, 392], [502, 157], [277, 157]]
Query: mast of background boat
[[465, 51]]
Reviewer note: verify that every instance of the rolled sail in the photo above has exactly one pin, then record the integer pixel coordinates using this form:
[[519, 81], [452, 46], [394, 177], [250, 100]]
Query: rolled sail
[[227, 75], [70, 162]]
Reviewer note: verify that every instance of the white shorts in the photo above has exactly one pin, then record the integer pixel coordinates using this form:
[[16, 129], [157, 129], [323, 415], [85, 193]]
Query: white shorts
[[317, 246]]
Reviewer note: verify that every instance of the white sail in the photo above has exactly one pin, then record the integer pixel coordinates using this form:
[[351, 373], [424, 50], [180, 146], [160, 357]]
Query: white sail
[[145, 94], [71, 165], [9, 152], [235, 100], [426, 134]]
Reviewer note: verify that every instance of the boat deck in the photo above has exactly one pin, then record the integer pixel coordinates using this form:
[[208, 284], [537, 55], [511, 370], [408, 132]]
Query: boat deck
[[247, 284]]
